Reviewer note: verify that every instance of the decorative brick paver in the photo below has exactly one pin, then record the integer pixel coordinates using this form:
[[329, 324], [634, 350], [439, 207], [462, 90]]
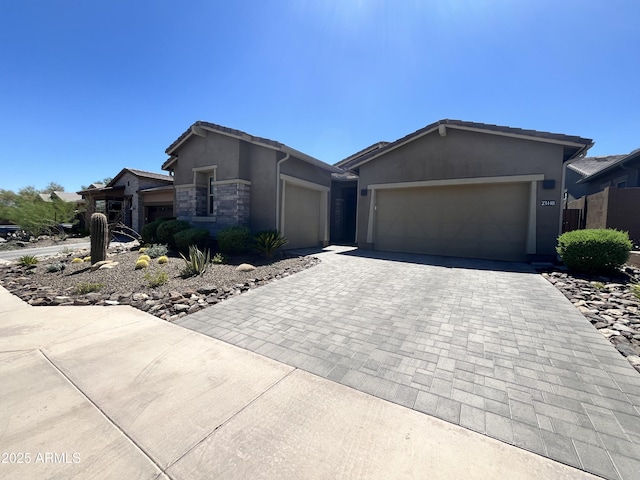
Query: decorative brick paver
[[490, 346]]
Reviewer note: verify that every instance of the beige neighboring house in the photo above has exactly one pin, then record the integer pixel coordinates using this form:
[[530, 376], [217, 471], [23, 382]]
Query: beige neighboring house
[[68, 197], [134, 197], [225, 177], [464, 189]]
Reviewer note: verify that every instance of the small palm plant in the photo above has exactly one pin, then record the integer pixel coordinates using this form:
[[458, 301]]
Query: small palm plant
[[268, 242], [196, 263]]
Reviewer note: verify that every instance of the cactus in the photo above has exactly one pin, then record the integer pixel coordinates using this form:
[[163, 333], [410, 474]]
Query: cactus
[[99, 237]]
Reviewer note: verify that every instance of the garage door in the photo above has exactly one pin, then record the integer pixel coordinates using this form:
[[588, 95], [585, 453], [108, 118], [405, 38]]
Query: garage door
[[476, 221], [302, 216]]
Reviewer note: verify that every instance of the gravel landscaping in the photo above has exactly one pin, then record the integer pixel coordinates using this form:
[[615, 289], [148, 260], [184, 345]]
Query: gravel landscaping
[[121, 283], [609, 304]]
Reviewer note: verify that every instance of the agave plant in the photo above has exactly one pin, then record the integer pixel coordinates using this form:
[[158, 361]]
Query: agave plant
[[268, 242], [28, 260], [196, 263]]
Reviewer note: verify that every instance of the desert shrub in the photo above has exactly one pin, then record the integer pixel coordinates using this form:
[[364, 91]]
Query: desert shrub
[[141, 263], [83, 288], [234, 240], [163, 259], [635, 289], [150, 230], [77, 260], [156, 250], [55, 267], [166, 231], [218, 258], [86, 259], [191, 236], [146, 258], [268, 242], [142, 249], [27, 260], [196, 263], [156, 279], [594, 251]]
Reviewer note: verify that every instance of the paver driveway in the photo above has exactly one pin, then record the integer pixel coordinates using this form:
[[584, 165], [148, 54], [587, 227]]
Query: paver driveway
[[486, 345]]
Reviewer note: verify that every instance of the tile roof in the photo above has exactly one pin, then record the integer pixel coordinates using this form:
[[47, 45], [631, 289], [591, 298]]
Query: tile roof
[[153, 175], [578, 142], [369, 149], [140, 173], [226, 130], [242, 136], [590, 165], [68, 196], [619, 161]]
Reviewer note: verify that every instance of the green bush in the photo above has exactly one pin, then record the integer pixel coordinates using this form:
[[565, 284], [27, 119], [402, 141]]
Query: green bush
[[192, 236], [595, 251], [635, 289], [149, 230], [234, 240], [268, 242], [156, 250], [197, 262], [166, 231]]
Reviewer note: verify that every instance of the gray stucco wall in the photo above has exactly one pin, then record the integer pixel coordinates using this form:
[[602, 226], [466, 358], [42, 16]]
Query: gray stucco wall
[[463, 154], [262, 173], [214, 149]]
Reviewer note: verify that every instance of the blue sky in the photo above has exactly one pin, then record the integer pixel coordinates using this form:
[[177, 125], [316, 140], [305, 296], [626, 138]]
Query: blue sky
[[90, 87]]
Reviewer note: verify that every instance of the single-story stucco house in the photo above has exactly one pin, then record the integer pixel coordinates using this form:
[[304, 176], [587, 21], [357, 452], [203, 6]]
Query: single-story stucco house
[[225, 177], [463, 189], [134, 197], [604, 192]]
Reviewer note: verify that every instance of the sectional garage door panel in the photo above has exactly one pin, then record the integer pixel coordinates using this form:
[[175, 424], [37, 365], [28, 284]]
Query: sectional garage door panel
[[302, 216], [476, 221]]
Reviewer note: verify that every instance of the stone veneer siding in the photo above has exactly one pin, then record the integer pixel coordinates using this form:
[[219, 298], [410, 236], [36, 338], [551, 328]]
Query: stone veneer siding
[[231, 206], [191, 202]]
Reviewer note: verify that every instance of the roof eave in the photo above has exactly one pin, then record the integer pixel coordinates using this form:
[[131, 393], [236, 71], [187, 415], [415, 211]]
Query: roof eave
[[309, 159], [582, 147], [632, 156]]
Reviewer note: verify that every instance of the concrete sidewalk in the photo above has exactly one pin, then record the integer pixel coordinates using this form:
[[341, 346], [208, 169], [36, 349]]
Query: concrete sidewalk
[[111, 392]]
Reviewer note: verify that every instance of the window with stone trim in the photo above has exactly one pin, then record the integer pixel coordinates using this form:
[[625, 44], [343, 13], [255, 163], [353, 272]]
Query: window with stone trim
[[212, 180]]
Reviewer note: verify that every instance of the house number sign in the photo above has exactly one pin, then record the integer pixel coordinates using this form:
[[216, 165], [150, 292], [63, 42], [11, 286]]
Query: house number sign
[[547, 203]]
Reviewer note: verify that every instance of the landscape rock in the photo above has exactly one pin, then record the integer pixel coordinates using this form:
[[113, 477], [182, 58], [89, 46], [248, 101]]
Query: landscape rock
[[245, 267], [609, 305]]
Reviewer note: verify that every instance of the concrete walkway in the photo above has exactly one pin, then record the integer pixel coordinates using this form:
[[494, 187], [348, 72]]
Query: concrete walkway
[[489, 346], [112, 393]]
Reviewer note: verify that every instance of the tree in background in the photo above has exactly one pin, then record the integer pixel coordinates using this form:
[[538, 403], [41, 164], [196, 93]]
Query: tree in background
[[34, 215]]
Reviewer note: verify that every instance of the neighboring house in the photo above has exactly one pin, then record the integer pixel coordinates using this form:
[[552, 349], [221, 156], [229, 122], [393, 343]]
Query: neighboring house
[[464, 189], [69, 197], [123, 198], [224, 177], [604, 192], [581, 170]]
